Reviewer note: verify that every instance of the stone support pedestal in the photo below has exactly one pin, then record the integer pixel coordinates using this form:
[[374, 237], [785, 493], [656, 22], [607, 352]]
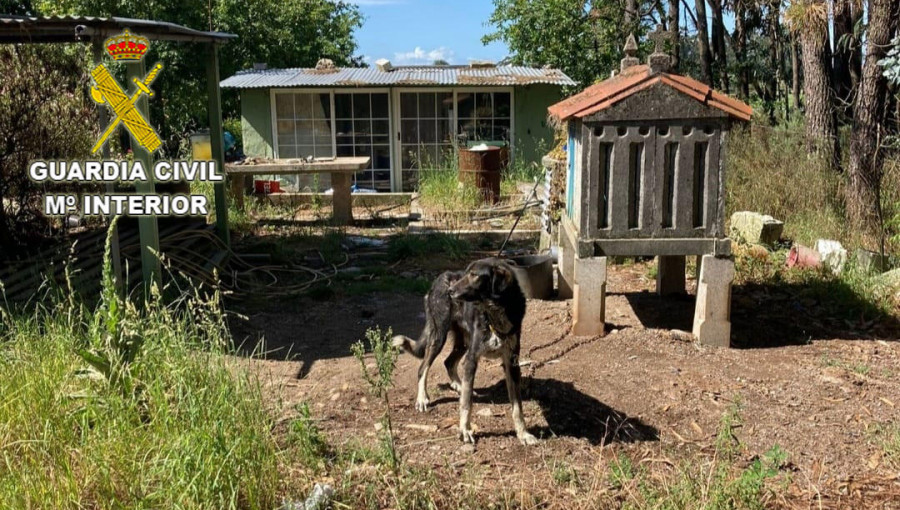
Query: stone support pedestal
[[670, 271], [712, 315], [565, 267], [589, 296]]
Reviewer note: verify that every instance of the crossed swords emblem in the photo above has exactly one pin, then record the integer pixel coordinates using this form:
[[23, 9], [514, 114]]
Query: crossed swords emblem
[[107, 90]]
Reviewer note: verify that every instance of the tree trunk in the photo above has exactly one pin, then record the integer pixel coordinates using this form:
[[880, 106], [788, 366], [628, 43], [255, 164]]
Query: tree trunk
[[703, 43], [740, 49], [673, 22], [720, 54], [631, 16], [772, 28], [864, 191], [795, 74], [843, 31], [821, 134]]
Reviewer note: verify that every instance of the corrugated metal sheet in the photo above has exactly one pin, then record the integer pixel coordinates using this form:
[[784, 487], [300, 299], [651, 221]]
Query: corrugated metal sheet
[[400, 76]]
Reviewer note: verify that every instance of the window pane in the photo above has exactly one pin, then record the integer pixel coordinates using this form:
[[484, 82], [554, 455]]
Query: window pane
[[304, 130], [322, 130], [465, 104], [381, 157], [343, 106], [484, 106], [361, 107], [427, 130], [323, 150], [362, 128], [381, 127], [444, 132], [305, 150], [284, 106], [426, 105], [322, 106], [501, 129], [409, 131], [444, 104], [287, 151], [302, 106], [502, 104], [484, 130], [344, 150], [408, 105], [380, 106], [409, 156]]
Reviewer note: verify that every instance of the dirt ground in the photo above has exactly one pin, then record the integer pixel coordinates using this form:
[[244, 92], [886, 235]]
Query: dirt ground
[[812, 386]]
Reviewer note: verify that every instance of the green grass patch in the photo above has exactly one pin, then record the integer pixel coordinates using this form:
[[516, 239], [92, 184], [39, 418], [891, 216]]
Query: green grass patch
[[126, 406], [407, 246]]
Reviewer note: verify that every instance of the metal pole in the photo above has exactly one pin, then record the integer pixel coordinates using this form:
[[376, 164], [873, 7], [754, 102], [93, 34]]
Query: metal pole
[[215, 138]]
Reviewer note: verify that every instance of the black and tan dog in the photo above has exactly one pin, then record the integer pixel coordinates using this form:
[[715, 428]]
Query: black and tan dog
[[481, 311]]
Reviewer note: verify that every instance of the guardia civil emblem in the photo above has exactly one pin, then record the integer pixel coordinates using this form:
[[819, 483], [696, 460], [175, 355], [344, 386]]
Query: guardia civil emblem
[[125, 47]]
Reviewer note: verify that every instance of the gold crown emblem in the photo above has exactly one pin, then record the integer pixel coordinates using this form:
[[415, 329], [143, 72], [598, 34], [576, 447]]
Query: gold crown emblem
[[126, 46]]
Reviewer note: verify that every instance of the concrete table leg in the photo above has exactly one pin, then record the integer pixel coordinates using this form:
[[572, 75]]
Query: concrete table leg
[[712, 315], [237, 190], [589, 297], [342, 202], [670, 275]]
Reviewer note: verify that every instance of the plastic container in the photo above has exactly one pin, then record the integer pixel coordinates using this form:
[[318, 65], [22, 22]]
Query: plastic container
[[535, 275], [267, 187]]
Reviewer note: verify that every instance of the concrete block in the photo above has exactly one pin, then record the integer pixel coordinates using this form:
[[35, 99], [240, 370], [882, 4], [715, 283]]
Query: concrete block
[[565, 267], [712, 315], [670, 275], [755, 228], [833, 254], [589, 297]]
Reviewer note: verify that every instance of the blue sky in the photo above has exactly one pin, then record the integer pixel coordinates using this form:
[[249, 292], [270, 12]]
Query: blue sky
[[421, 31]]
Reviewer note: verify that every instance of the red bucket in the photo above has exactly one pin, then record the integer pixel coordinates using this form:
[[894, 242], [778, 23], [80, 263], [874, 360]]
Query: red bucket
[[267, 187], [802, 256]]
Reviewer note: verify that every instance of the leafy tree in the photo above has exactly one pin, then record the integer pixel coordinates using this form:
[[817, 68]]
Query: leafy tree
[[583, 38], [43, 115], [291, 33]]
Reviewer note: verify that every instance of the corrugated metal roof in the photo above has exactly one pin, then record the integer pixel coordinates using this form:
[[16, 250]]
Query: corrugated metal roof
[[399, 76], [609, 92], [40, 29]]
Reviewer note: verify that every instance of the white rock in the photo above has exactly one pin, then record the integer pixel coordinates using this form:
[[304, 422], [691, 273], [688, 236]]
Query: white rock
[[833, 254]]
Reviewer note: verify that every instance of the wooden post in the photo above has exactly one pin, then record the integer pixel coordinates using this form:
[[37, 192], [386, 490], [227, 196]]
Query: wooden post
[[115, 252], [149, 229], [215, 138]]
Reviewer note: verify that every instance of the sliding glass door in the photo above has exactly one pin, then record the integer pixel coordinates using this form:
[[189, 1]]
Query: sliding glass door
[[337, 123], [432, 122]]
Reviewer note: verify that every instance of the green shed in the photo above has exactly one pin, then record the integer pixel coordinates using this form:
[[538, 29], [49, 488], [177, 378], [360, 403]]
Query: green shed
[[402, 117]]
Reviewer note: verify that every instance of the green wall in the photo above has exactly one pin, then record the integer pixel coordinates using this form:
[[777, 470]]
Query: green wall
[[534, 138], [256, 123]]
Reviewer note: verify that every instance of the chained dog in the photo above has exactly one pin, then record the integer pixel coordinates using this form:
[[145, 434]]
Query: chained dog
[[480, 310]]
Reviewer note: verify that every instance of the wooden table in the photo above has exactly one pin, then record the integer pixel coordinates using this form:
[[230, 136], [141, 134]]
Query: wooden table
[[341, 170]]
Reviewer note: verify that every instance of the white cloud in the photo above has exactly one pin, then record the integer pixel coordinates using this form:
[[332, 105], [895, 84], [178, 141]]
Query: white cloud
[[420, 56]]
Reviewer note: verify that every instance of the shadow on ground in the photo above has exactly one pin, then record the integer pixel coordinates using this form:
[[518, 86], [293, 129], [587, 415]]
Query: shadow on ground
[[776, 314], [568, 412]]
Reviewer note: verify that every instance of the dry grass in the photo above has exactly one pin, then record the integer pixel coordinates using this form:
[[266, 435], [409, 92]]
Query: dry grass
[[769, 172]]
